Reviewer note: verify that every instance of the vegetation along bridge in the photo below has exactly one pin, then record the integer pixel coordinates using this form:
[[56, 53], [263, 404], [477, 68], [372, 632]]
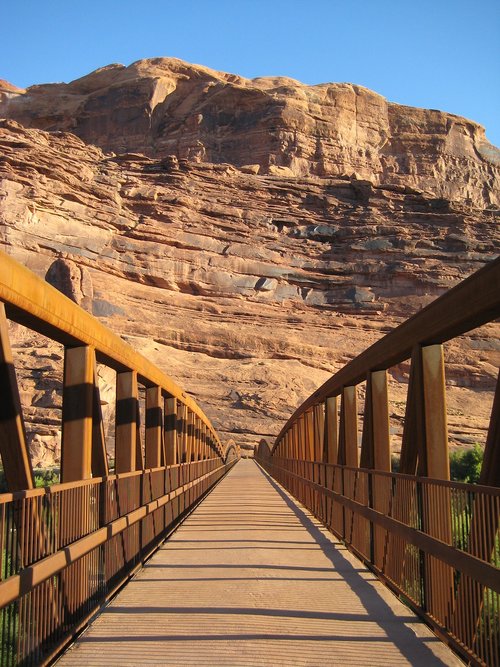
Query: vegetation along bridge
[[289, 558]]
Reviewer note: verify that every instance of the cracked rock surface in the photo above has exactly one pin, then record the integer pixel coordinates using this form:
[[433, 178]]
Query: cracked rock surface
[[249, 286]]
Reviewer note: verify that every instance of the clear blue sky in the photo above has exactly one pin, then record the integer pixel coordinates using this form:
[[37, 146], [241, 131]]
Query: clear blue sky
[[440, 54]]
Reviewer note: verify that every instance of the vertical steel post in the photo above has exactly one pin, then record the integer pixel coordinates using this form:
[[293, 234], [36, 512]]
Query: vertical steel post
[[439, 585], [99, 454], [126, 421], [154, 430], [331, 429], [78, 398], [171, 455]]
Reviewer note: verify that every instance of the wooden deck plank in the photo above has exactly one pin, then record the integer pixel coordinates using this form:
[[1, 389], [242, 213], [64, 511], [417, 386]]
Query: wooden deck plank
[[252, 579]]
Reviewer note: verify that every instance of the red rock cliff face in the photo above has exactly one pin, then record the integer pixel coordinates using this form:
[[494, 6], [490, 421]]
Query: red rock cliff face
[[163, 106], [249, 286]]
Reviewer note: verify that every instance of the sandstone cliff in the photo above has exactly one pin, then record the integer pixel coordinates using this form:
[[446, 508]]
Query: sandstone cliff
[[249, 286], [163, 106]]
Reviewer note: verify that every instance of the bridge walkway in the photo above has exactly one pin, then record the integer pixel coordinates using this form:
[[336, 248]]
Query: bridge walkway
[[251, 578]]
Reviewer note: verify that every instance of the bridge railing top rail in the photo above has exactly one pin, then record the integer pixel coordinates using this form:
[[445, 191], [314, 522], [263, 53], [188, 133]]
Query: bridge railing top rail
[[32, 302], [63, 486], [465, 487], [468, 305]]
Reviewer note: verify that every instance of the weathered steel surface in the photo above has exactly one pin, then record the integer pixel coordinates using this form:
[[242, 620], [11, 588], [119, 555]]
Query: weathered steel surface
[[78, 407], [69, 548], [84, 544]]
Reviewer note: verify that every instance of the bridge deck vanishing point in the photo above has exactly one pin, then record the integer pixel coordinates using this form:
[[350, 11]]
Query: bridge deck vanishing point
[[251, 578]]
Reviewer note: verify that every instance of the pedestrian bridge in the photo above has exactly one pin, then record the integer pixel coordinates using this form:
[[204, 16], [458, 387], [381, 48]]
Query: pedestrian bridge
[[314, 553]]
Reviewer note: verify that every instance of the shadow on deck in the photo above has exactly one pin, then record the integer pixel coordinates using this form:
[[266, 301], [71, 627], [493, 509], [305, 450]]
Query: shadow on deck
[[251, 578]]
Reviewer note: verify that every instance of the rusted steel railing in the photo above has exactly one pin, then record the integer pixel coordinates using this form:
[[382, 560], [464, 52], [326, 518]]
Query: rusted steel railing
[[435, 542], [64, 550]]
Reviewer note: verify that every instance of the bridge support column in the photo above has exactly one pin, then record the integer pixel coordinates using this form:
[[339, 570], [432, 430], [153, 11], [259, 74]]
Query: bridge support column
[[331, 430], [436, 500], [375, 445], [330, 455], [376, 453], [297, 439], [291, 443], [190, 436], [206, 448], [171, 431], [183, 433], [99, 455], [425, 452], [300, 437], [196, 438], [127, 408], [437, 463], [348, 452], [309, 434], [281, 450], [348, 435], [319, 431], [76, 515], [13, 447], [490, 470], [77, 426], [154, 430], [199, 439]]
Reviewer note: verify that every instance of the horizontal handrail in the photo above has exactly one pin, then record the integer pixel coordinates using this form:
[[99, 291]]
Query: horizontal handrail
[[384, 518], [484, 573], [468, 305], [493, 491], [34, 303], [57, 488], [35, 574], [67, 549]]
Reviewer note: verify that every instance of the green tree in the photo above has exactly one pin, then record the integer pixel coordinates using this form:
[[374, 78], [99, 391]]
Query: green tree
[[465, 464]]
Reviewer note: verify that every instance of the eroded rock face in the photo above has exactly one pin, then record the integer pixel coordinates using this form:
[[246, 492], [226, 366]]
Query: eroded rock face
[[72, 280], [249, 289], [164, 107], [8, 91]]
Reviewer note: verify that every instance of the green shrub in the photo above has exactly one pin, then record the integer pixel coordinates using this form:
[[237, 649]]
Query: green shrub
[[465, 464], [46, 477], [43, 477]]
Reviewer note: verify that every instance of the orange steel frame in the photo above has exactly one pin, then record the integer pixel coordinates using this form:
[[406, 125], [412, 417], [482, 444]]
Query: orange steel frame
[[65, 549], [436, 543]]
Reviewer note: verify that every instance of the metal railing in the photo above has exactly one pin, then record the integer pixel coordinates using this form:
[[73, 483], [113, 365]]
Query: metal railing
[[436, 543], [65, 549]]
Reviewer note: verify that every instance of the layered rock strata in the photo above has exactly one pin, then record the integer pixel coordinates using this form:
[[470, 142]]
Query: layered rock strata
[[163, 106], [248, 288]]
